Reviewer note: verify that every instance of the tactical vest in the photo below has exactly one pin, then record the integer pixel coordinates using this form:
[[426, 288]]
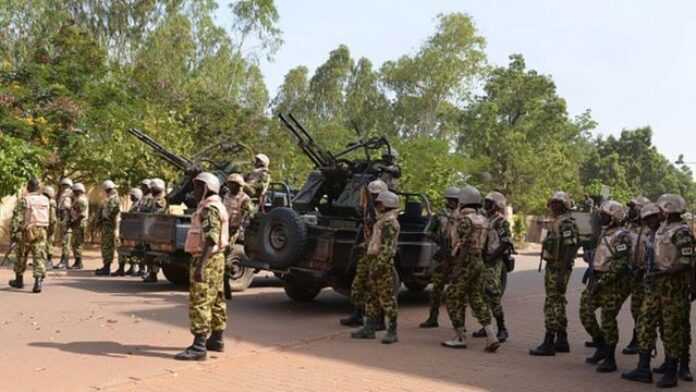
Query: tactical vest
[[105, 213], [194, 238], [493, 237], [37, 213], [77, 211], [476, 240], [234, 207], [639, 242], [607, 248], [666, 252], [373, 247], [65, 201]]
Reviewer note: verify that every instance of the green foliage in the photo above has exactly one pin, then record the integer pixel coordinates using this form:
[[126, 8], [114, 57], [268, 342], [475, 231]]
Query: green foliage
[[19, 161]]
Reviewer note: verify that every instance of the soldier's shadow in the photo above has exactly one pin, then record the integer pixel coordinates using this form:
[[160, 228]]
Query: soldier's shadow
[[110, 349]]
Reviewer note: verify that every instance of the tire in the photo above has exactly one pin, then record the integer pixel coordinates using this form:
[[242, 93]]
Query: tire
[[176, 274], [240, 277], [282, 238], [301, 291]]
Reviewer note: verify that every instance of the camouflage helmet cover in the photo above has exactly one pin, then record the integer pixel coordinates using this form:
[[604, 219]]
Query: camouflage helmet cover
[[498, 199], [649, 209], [563, 198], [614, 209], [672, 204], [377, 186], [638, 202], [388, 199]]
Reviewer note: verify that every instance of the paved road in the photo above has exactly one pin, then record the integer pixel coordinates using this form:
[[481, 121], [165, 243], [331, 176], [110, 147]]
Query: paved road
[[87, 334]]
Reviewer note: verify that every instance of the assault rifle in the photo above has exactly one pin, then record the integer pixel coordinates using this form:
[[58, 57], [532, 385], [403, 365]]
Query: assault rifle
[[13, 246]]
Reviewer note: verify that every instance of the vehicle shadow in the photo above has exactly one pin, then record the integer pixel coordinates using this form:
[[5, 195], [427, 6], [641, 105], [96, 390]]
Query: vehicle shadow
[[110, 349]]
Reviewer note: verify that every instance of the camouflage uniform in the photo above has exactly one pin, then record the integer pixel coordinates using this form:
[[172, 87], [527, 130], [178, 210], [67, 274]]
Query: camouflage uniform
[[64, 207], [380, 261], [257, 183], [52, 224], [153, 204], [78, 224], [31, 239], [494, 268], [443, 267], [109, 216]]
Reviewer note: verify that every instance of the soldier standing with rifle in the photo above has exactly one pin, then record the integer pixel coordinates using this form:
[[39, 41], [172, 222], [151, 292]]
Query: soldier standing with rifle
[[608, 287], [107, 220], [359, 289], [29, 229], [135, 195], [559, 251], [239, 208], [78, 223], [50, 193], [443, 266], [64, 207], [258, 181], [156, 203]]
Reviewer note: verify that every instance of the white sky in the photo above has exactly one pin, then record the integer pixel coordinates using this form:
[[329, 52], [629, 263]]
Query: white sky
[[633, 63]]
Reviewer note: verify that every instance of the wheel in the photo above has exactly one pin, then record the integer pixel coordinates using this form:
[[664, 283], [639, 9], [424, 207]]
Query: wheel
[[176, 273], [300, 290], [280, 239], [240, 277], [415, 286]]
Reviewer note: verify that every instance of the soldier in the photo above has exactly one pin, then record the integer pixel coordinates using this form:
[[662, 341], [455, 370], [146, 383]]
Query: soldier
[[669, 257], [135, 195], [559, 251], [359, 289], [389, 171], [468, 239], [380, 253], [64, 207], [145, 188], [608, 287], [109, 215], [258, 181], [78, 222], [635, 225], [206, 241], [239, 207], [443, 267], [499, 246], [156, 204], [30, 226], [50, 193]]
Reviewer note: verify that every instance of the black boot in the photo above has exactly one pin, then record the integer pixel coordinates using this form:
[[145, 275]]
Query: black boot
[[215, 342], [194, 352], [63, 263], [366, 332], [591, 343], [38, 285], [431, 322], [684, 371], [561, 344], [632, 348], [380, 324], [131, 270], [502, 331], [391, 336], [78, 264], [609, 363], [121, 271], [545, 349], [481, 333], [669, 379], [103, 271], [150, 278], [661, 369], [642, 373], [18, 281], [600, 353], [355, 319]]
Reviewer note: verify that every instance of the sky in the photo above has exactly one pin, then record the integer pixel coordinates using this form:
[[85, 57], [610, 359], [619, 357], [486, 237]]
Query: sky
[[632, 63]]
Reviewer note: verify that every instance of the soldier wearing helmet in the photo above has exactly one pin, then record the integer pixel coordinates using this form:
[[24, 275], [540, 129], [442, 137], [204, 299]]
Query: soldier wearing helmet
[[154, 203], [29, 228], [669, 271], [63, 215], [444, 220], [560, 247], [499, 248], [633, 216], [79, 212], [381, 249], [107, 221], [50, 193], [257, 182], [135, 195], [145, 201], [608, 285], [239, 209], [388, 168], [468, 239], [358, 290], [206, 241]]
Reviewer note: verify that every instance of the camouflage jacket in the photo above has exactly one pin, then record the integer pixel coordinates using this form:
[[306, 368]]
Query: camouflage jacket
[[110, 212], [257, 183], [562, 242]]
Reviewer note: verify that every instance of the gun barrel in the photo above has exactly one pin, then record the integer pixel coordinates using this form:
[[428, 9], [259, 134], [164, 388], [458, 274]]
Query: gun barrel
[[304, 144], [177, 161]]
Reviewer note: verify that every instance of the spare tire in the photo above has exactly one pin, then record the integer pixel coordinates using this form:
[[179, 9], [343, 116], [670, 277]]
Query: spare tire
[[282, 238]]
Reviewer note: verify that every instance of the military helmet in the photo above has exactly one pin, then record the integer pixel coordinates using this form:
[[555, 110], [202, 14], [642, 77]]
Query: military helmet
[[377, 186], [672, 204], [614, 209], [391, 153], [79, 187], [210, 180], [146, 182], [498, 199], [452, 193], [388, 199], [263, 158], [236, 178], [108, 185], [66, 182], [49, 191], [157, 184], [137, 193], [649, 209], [469, 195], [563, 198], [638, 202]]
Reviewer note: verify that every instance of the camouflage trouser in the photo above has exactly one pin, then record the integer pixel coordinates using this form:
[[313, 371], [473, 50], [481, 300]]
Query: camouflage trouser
[[77, 240], [207, 308], [556, 285], [359, 289], [467, 286], [609, 300], [665, 304], [65, 242], [439, 279], [637, 295], [380, 290], [492, 288], [109, 242], [49, 244], [37, 247]]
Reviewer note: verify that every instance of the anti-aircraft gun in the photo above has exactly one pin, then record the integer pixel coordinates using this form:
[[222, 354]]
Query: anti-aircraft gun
[[314, 244]]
